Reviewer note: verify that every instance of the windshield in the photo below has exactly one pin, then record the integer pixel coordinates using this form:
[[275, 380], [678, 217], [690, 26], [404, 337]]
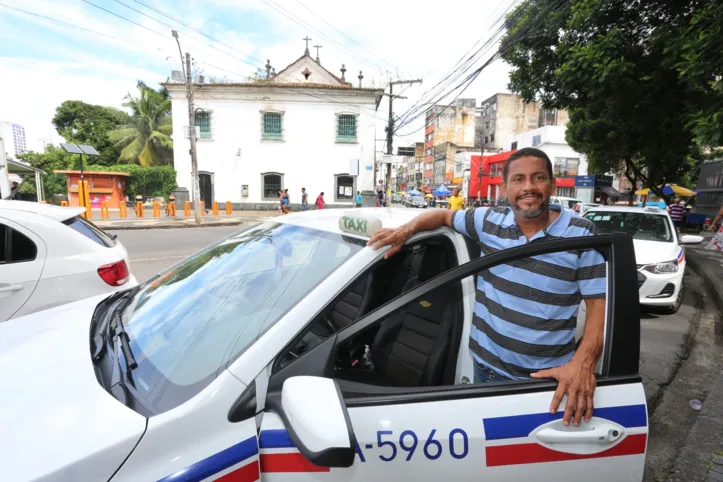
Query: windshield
[[190, 322], [418, 199], [645, 227]]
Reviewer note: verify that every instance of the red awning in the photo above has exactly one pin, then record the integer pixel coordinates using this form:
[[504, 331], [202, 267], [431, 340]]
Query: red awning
[[565, 182]]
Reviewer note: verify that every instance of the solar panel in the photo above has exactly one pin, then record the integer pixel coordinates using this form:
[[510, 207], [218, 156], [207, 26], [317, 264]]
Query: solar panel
[[72, 148], [89, 150]]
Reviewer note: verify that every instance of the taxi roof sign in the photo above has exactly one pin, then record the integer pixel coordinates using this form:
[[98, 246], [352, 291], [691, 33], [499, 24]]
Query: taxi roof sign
[[363, 226], [652, 209]]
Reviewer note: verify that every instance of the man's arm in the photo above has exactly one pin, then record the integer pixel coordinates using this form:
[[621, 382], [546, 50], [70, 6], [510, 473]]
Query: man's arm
[[428, 221]]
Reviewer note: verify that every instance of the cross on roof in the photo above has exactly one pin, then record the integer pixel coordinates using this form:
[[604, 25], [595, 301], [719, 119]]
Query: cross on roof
[[317, 47], [307, 44]]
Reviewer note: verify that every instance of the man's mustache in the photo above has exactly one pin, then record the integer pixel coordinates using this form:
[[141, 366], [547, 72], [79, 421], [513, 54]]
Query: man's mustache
[[527, 194]]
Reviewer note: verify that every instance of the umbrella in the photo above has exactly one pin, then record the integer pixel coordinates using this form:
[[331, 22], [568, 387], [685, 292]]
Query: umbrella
[[429, 196], [402, 193], [442, 191], [669, 189], [414, 192]]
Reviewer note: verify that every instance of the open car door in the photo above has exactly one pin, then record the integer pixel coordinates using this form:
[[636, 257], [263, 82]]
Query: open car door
[[352, 424]]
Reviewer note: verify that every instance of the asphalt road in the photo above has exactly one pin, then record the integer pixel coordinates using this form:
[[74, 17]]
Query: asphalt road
[[664, 338]]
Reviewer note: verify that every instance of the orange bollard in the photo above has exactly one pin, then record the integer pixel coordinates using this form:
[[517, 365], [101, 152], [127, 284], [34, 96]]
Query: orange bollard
[[215, 208], [123, 210], [228, 208], [139, 209], [63, 203], [187, 208], [203, 208], [156, 209], [172, 209], [104, 210]]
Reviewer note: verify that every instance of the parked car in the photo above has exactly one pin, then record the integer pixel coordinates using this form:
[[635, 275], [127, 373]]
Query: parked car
[[291, 350], [658, 250], [565, 202], [582, 208], [415, 202], [396, 197], [50, 255]]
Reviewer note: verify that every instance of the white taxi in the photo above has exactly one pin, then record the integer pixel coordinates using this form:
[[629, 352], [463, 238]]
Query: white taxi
[[658, 250], [291, 351]]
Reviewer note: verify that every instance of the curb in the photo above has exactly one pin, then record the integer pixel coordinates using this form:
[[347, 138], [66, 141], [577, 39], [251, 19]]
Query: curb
[[697, 265], [181, 225]]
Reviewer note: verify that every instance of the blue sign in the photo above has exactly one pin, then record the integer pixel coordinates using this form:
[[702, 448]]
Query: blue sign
[[368, 168], [584, 181]]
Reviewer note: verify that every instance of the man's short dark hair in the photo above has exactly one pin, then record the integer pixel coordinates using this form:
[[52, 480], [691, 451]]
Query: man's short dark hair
[[526, 152]]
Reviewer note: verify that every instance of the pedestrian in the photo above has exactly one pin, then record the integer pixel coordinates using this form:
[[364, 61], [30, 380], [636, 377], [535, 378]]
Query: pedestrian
[[320, 204], [358, 199], [677, 213], [526, 311], [456, 202], [281, 202], [285, 201], [304, 199], [14, 194], [716, 226]]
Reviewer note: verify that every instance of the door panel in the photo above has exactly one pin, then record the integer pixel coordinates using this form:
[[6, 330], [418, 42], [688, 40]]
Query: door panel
[[488, 438], [19, 274]]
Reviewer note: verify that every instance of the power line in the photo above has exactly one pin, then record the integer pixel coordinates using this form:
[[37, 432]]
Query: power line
[[124, 18]]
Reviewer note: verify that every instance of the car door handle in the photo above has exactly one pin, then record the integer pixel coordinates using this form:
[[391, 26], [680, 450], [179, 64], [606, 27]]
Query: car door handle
[[9, 288], [603, 433]]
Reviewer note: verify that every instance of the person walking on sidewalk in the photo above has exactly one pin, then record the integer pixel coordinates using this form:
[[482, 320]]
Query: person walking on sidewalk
[[304, 199], [320, 204], [285, 201], [716, 226], [677, 213], [358, 200], [456, 202]]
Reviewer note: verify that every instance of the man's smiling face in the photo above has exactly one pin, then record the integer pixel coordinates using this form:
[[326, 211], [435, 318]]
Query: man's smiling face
[[528, 186]]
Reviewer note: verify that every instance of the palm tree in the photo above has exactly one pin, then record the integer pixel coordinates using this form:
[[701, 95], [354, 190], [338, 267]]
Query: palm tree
[[146, 139]]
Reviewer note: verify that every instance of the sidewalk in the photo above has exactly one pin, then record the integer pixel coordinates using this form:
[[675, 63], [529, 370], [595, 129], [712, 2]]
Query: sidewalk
[[115, 222]]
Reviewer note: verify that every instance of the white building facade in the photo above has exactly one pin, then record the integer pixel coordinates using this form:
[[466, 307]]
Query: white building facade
[[566, 162], [303, 127], [13, 136]]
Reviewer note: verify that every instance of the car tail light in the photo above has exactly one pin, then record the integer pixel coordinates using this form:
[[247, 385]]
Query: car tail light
[[115, 274]]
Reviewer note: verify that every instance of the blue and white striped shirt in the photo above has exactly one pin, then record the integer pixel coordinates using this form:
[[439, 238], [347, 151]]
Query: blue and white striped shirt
[[525, 313]]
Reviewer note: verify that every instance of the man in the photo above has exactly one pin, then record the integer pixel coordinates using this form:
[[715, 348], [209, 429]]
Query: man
[[304, 199], [14, 194], [526, 312], [358, 202], [677, 213], [456, 202]]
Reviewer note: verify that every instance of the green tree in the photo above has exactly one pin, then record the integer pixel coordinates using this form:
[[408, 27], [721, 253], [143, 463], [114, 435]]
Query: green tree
[[147, 181], [82, 123], [146, 140], [612, 64], [53, 159]]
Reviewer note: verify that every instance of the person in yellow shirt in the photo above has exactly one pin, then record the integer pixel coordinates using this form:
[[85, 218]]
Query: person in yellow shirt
[[456, 202]]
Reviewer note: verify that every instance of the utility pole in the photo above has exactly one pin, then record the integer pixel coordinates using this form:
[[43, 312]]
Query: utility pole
[[195, 197], [390, 124]]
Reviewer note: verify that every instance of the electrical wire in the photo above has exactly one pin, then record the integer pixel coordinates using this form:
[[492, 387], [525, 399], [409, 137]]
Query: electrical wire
[[124, 18]]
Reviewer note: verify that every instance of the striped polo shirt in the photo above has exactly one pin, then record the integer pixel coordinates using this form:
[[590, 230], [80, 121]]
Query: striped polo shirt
[[525, 314]]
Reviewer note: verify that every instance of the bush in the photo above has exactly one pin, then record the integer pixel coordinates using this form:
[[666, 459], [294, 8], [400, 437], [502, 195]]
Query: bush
[[146, 181]]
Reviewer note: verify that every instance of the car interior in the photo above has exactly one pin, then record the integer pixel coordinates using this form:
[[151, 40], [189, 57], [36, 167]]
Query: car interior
[[413, 346]]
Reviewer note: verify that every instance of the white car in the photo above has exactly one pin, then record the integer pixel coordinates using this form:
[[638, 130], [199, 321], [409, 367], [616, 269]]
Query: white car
[[658, 250], [581, 208], [565, 202], [49, 256], [292, 351]]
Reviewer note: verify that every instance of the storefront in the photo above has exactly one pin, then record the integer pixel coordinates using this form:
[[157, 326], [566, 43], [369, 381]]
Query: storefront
[[596, 188]]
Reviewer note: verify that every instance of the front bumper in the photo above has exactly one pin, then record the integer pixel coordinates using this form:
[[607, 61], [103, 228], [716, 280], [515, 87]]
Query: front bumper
[[659, 289]]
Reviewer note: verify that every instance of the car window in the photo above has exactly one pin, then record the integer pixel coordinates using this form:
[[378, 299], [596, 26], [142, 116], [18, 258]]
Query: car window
[[90, 231], [15, 247], [187, 324], [644, 227]]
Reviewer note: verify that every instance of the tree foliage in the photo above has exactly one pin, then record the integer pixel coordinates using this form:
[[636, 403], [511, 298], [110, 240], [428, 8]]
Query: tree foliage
[[82, 123], [53, 159], [146, 138], [619, 67], [146, 181]]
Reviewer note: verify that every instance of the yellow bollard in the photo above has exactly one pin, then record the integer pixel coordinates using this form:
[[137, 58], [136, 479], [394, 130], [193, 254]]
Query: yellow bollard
[[187, 208], [215, 208], [172, 209], [123, 211], [63, 203], [228, 208], [203, 208], [139, 209], [156, 209], [104, 210]]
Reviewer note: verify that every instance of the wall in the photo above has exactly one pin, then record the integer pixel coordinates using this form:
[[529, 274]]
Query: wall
[[308, 156]]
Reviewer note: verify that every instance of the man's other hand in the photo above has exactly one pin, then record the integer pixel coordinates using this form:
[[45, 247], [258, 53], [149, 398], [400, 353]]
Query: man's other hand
[[390, 237], [576, 380]]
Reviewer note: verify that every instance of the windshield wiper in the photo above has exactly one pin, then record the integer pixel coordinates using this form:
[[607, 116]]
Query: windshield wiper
[[120, 334], [102, 334]]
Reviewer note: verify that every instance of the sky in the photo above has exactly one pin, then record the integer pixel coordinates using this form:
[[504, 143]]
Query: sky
[[96, 50]]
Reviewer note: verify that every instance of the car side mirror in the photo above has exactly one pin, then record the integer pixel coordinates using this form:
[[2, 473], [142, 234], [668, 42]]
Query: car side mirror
[[113, 237], [315, 415], [690, 239]]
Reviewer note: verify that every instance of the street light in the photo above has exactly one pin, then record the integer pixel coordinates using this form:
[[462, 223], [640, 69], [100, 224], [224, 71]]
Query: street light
[[80, 149]]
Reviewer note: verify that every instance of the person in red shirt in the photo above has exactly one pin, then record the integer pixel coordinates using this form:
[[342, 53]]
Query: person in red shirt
[[320, 204]]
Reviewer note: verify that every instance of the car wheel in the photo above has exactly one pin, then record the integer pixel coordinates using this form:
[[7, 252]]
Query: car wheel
[[673, 309]]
